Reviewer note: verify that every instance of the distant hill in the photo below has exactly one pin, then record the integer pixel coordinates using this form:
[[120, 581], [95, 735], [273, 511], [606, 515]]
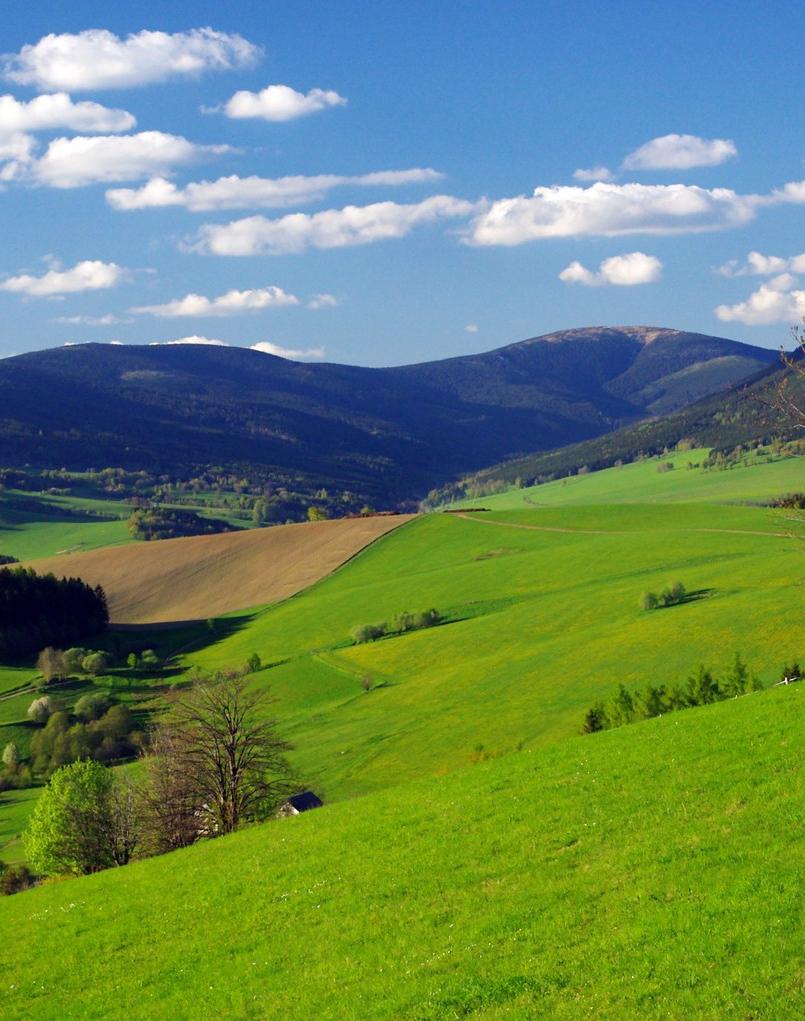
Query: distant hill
[[745, 413], [386, 434]]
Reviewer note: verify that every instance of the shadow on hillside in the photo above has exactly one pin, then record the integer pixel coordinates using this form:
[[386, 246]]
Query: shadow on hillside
[[689, 597]]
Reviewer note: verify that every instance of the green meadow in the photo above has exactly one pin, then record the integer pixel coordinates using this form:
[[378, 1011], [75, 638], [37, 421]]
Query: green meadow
[[650, 872], [539, 624], [758, 478]]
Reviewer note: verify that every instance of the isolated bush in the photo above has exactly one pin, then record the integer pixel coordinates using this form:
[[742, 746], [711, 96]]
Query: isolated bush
[[133, 660], [404, 622], [14, 879], [665, 466], [595, 719], [149, 660], [69, 829], [92, 707], [40, 709], [51, 665], [366, 682], [649, 601], [74, 660], [95, 663], [253, 663], [369, 632], [427, 618], [11, 756]]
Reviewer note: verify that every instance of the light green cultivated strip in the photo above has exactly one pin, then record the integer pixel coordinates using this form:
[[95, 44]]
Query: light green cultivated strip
[[760, 480], [650, 872]]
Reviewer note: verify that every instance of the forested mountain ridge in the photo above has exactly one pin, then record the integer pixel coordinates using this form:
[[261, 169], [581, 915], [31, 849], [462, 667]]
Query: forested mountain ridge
[[388, 434]]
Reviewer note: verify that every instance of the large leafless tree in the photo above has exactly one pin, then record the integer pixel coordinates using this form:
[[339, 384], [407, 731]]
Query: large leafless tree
[[788, 396], [217, 760]]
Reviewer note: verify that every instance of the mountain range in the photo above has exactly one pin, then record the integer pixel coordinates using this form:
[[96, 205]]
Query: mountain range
[[388, 434]]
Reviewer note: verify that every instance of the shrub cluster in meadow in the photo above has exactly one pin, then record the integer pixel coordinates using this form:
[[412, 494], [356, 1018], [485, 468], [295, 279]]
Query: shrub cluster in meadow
[[214, 762], [670, 596], [701, 688], [400, 625]]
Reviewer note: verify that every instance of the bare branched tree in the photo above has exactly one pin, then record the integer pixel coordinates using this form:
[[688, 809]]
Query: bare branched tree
[[170, 806], [223, 761], [791, 404]]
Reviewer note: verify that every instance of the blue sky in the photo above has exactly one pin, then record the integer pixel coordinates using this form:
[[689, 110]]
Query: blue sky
[[554, 165]]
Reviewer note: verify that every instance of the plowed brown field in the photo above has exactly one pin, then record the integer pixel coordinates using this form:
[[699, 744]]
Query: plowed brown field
[[207, 575]]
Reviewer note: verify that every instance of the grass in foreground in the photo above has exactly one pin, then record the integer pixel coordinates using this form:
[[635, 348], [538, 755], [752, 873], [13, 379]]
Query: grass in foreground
[[649, 872]]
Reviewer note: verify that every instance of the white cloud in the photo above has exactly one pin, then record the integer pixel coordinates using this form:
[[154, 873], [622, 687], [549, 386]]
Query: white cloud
[[294, 354], [680, 152], [98, 59], [332, 228], [45, 113], [231, 303], [280, 103], [619, 270], [761, 265], [83, 160], [264, 347], [323, 301], [471, 328], [16, 153], [234, 192], [189, 340], [105, 320], [776, 301], [611, 210], [593, 174], [90, 275]]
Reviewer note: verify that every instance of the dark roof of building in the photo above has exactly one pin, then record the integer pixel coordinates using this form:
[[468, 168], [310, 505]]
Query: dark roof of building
[[304, 801]]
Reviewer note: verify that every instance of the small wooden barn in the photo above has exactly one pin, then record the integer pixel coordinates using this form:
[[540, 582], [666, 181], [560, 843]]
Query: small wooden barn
[[297, 803]]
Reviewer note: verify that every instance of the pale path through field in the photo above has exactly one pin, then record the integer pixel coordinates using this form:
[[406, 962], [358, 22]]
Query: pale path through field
[[207, 575]]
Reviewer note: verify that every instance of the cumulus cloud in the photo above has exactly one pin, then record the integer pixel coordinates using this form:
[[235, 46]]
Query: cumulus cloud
[[229, 304], [294, 354], [189, 340], [82, 160], [264, 347], [471, 328], [280, 103], [105, 320], [234, 192], [620, 270], [611, 210], [45, 113], [760, 265], [323, 301], [90, 275], [332, 228], [98, 59], [777, 301], [593, 174], [680, 152]]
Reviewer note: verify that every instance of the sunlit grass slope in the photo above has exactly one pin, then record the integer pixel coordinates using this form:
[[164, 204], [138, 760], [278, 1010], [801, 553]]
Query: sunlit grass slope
[[754, 480], [540, 624], [651, 872]]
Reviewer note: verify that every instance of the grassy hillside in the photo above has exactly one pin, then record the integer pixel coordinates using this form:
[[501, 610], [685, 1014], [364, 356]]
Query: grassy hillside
[[651, 872], [36, 525], [759, 478], [542, 620], [203, 576]]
